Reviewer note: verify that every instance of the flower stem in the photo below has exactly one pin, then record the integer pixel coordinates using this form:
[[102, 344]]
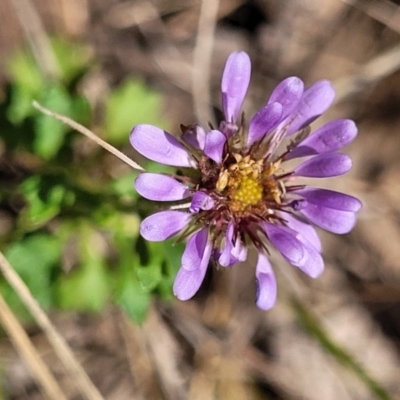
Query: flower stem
[[80, 128]]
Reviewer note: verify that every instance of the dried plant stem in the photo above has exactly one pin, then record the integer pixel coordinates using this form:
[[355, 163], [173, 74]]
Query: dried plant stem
[[80, 128], [143, 373], [167, 56], [202, 60], [384, 11], [371, 73], [180, 206], [61, 348], [29, 354], [36, 36]]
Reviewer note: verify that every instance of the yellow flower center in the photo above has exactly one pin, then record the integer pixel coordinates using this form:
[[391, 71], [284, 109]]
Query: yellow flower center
[[249, 192], [248, 183]]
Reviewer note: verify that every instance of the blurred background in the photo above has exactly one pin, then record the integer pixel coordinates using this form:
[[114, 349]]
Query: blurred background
[[69, 215]]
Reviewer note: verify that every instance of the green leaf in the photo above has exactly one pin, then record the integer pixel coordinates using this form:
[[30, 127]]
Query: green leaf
[[87, 289], [157, 168], [14, 302], [20, 104], [129, 293], [130, 104], [125, 228], [44, 201], [25, 72], [34, 259], [34, 255], [150, 276], [134, 300], [72, 57], [49, 131], [80, 109], [173, 255], [123, 186]]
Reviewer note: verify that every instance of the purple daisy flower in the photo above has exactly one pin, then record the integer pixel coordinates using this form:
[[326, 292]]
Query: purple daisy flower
[[239, 193]]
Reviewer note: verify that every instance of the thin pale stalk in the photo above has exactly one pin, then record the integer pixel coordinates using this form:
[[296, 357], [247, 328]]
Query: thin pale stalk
[[61, 348], [27, 351], [89, 134], [369, 74], [202, 60], [37, 37]]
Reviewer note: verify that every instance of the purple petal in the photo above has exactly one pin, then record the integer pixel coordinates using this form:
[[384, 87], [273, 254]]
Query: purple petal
[[232, 252], [160, 187], [330, 199], [225, 258], [266, 283], [235, 82], [313, 266], [324, 166], [328, 138], [239, 251], [188, 282], [201, 201], [314, 102], [163, 225], [263, 122], [336, 221], [194, 250], [228, 128], [159, 146], [214, 146], [285, 241], [288, 93], [295, 249], [304, 228], [195, 137]]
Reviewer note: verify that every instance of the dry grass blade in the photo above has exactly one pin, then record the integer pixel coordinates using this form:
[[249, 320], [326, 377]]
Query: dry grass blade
[[61, 348], [36, 36], [371, 73], [383, 11], [89, 134], [138, 355], [28, 352], [202, 60]]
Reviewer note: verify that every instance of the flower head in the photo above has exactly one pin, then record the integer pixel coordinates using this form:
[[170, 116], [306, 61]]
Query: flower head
[[239, 193]]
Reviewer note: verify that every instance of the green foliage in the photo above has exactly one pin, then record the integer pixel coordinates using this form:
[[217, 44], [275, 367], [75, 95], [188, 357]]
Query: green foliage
[[25, 74], [133, 299], [130, 104], [61, 96], [72, 58], [123, 186], [45, 199], [49, 131], [34, 258], [77, 243], [88, 287]]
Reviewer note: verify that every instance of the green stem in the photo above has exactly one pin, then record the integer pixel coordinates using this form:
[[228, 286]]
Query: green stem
[[313, 326]]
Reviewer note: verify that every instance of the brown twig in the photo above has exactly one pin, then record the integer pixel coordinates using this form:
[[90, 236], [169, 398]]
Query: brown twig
[[89, 134], [29, 354], [167, 56], [202, 60], [36, 36], [61, 348], [379, 67], [138, 355], [384, 11]]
